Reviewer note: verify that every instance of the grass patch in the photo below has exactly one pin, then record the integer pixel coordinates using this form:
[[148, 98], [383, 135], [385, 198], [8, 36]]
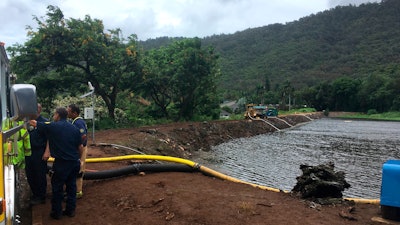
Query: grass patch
[[297, 111], [390, 116]]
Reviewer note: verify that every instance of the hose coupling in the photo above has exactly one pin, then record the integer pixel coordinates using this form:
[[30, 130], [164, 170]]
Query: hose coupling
[[196, 166]]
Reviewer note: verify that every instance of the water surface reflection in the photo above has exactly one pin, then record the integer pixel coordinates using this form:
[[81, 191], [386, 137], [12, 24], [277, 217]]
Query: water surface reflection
[[358, 148]]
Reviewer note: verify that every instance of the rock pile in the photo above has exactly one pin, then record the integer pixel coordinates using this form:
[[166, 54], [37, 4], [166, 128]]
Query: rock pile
[[320, 182]]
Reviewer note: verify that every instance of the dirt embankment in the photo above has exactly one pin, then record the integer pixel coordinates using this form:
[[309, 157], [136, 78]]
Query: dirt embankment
[[182, 139], [192, 198]]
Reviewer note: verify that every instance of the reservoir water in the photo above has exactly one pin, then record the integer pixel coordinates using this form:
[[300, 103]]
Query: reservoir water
[[358, 148]]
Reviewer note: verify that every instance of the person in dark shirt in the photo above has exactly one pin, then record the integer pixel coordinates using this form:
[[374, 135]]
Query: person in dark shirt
[[79, 122], [36, 163], [66, 148]]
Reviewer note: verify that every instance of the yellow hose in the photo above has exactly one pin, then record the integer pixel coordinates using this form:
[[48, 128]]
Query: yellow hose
[[365, 201], [139, 157], [226, 177], [143, 157], [204, 170], [181, 161]]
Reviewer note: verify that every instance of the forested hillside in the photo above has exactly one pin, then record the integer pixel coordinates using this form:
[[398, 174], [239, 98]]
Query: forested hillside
[[347, 40], [344, 44]]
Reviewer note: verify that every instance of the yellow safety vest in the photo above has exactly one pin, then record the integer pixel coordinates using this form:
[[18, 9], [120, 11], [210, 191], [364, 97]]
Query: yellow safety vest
[[23, 144]]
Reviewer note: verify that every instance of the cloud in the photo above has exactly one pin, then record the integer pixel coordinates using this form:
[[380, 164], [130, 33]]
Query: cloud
[[157, 18]]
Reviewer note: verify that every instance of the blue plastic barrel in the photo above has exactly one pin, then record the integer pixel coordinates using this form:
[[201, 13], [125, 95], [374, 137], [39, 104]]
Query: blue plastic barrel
[[390, 190]]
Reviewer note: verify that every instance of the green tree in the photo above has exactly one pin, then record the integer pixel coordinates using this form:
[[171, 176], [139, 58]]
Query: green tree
[[194, 77], [79, 51], [181, 79], [374, 93], [318, 97], [344, 93], [156, 78], [286, 93]]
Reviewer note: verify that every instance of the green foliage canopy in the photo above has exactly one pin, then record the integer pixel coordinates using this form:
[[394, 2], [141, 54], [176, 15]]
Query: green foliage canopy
[[78, 51], [180, 78]]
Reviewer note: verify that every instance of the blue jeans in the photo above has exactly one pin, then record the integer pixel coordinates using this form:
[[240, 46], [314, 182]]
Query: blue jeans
[[65, 173]]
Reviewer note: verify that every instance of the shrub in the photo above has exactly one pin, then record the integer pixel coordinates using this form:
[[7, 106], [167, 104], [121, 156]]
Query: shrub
[[326, 112], [372, 111]]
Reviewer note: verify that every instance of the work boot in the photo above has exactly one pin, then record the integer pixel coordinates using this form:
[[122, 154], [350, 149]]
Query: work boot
[[55, 216], [79, 194], [69, 214]]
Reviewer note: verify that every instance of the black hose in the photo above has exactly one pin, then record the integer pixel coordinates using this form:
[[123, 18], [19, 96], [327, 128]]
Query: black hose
[[137, 168]]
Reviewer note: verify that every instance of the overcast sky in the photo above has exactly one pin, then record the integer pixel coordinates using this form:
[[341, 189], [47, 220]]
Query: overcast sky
[[158, 18]]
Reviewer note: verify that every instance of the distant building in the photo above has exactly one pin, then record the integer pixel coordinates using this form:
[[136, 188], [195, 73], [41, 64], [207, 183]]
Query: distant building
[[230, 104]]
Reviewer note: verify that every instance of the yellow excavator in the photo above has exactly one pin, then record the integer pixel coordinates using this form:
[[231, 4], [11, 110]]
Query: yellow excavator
[[259, 111]]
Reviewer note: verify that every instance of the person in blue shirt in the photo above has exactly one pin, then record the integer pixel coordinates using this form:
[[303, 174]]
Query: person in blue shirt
[[79, 122], [66, 147], [36, 163]]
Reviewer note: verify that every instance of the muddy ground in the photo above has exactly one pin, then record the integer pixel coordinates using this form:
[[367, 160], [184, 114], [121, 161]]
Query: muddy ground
[[192, 198]]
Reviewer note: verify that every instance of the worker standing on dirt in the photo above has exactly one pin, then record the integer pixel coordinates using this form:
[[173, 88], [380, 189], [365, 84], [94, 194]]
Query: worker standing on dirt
[[66, 148], [79, 122], [36, 163]]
